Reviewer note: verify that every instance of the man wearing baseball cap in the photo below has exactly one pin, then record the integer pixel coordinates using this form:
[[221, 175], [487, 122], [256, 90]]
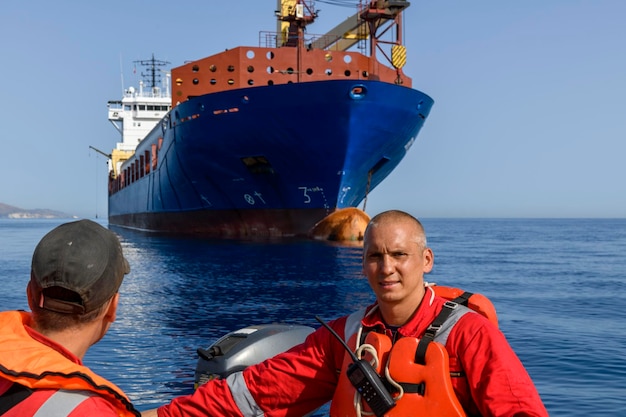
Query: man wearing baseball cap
[[76, 272]]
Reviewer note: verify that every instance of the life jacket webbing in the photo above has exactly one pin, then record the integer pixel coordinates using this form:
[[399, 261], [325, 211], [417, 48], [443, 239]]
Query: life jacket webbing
[[448, 308], [463, 299], [62, 403], [13, 396]]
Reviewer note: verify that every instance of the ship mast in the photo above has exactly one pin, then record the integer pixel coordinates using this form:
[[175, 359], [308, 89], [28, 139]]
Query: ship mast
[[153, 74]]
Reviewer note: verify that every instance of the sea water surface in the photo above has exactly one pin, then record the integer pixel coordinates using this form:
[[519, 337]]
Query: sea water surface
[[557, 284]]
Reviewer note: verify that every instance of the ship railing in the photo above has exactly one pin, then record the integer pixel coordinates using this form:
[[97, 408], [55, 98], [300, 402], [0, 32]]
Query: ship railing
[[160, 93], [269, 39]]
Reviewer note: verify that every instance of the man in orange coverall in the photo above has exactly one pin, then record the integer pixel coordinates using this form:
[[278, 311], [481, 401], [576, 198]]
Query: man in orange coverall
[[76, 272], [487, 378]]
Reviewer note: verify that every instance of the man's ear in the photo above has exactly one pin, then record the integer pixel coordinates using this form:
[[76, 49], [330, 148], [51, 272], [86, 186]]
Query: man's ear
[[111, 311], [429, 260], [29, 295]]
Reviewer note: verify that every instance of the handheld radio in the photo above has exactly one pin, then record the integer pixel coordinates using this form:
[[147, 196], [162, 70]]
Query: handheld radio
[[365, 379]]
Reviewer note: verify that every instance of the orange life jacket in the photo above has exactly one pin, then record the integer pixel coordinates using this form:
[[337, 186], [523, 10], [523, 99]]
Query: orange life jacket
[[37, 366], [426, 387], [477, 302]]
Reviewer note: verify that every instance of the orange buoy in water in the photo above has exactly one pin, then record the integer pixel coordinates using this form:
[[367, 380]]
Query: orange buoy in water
[[343, 225]]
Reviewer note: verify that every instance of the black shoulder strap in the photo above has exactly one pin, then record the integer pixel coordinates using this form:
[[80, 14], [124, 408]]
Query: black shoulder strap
[[13, 396], [431, 331], [463, 299]]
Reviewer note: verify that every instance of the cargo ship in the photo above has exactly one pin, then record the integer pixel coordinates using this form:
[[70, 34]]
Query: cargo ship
[[267, 140]]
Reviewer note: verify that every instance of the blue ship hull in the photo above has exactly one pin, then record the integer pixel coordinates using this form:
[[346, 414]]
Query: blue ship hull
[[271, 160]]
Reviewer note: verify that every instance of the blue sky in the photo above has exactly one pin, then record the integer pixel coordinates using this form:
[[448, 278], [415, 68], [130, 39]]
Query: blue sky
[[529, 117]]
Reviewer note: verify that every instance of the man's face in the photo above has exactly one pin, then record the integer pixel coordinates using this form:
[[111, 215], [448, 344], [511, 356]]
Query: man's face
[[394, 262]]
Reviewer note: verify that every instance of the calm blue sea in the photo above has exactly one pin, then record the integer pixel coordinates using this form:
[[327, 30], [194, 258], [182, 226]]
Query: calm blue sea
[[557, 285]]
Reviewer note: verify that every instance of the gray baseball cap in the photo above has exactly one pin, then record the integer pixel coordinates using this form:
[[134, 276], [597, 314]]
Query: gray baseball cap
[[77, 267]]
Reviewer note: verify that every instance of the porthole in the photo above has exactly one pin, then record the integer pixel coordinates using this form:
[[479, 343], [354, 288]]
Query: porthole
[[231, 68], [195, 68], [347, 73], [250, 68], [250, 82], [212, 68], [270, 55], [213, 81], [196, 81], [309, 71], [231, 81], [250, 54]]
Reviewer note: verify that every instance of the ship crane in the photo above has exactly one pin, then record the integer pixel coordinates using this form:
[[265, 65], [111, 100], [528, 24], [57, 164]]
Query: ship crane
[[373, 20], [359, 26]]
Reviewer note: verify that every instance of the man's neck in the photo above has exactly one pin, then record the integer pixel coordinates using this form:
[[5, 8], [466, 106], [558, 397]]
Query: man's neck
[[398, 314], [76, 340]]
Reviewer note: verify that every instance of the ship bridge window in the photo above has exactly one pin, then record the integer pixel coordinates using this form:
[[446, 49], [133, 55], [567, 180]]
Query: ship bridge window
[[258, 165], [127, 107]]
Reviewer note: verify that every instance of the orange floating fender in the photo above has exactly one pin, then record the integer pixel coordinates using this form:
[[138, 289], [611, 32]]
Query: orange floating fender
[[476, 302]]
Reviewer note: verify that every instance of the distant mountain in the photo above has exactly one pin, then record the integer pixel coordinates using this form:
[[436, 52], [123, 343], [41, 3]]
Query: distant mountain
[[12, 212]]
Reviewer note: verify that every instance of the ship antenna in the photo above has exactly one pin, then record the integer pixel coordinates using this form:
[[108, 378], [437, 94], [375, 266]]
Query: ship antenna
[[153, 75], [122, 74]]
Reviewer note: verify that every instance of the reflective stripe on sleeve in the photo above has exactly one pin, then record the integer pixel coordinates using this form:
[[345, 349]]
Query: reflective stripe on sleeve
[[62, 403], [242, 396]]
